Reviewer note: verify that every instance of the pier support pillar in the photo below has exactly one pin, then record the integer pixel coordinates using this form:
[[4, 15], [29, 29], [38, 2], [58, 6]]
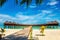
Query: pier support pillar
[[30, 34], [42, 30]]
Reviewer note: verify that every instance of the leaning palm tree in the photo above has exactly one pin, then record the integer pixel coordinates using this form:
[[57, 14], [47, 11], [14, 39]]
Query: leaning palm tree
[[28, 2]]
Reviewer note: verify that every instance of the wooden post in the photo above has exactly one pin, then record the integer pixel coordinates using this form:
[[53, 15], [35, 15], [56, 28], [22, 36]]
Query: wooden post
[[42, 30], [13, 27], [31, 34], [50, 26], [0, 36], [4, 26]]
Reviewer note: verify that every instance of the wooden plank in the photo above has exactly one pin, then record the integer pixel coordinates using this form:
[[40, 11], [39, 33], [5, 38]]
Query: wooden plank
[[20, 34]]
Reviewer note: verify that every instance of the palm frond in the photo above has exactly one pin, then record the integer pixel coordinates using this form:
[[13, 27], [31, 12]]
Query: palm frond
[[22, 2], [16, 1], [2, 2], [38, 2], [28, 2]]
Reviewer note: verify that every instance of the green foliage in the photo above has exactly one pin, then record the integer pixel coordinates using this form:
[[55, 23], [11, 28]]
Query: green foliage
[[2, 30], [23, 1], [2, 2], [16, 1], [38, 2], [28, 2]]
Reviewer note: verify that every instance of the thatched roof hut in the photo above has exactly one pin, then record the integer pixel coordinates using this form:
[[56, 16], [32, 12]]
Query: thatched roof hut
[[53, 23]]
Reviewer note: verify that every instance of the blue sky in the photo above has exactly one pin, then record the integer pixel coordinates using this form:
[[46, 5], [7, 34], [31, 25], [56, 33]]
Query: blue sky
[[49, 10]]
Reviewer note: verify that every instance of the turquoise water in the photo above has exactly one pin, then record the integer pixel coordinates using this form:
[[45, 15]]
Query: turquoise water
[[34, 27]]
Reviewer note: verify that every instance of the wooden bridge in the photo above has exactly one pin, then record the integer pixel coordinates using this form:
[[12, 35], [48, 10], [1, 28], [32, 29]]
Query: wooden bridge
[[21, 34]]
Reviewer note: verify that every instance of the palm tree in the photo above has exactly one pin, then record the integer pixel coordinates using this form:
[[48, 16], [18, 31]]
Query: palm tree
[[28, 2]]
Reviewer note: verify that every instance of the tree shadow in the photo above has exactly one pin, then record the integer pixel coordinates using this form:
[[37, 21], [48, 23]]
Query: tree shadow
[[40, 34], [34, 38]]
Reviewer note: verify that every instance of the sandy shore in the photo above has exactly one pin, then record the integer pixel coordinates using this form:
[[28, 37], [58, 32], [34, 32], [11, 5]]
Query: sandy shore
[[10, 31], [50, 34]]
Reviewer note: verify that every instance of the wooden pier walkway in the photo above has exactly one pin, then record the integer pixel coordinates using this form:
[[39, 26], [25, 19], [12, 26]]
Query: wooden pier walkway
[[20, 35]]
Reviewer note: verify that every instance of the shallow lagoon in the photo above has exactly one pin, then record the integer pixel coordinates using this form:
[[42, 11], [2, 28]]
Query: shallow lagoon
[[33, 27]]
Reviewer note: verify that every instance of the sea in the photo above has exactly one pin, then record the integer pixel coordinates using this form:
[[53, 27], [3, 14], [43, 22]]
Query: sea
[[33, 27]]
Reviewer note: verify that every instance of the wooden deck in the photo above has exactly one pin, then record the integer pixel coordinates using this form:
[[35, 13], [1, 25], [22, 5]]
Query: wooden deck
[[20, 35]]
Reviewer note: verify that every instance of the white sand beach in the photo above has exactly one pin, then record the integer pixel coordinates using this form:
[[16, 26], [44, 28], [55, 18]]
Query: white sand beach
[[10, 31], [53, 34], [50, 34]]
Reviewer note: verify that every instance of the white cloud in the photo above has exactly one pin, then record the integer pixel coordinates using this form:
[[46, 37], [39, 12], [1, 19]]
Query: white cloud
[[35, 18], [47, 18], [32, 6], [30, 22], [22, 17], [25, 19], [4, 17], [0, 20], [58, 20], [46, 11], [52, 3], [51, 15]]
